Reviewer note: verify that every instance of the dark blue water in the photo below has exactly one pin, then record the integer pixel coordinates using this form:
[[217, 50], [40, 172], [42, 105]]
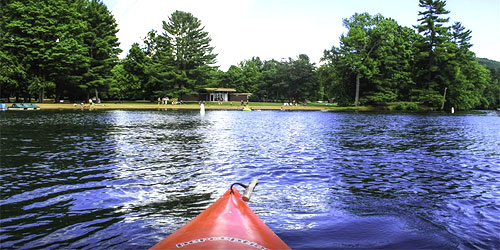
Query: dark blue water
[[127, 179]]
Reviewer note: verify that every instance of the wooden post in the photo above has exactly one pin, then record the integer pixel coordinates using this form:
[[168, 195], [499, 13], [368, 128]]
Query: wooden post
[[356, 99], [444, 97]]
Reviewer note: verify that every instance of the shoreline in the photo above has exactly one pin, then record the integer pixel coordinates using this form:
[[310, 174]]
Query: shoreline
[[256, 107], [390, 107], [153, 106]]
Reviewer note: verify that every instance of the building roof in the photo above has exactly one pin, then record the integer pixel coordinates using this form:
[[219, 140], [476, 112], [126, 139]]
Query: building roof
[[220, 90]]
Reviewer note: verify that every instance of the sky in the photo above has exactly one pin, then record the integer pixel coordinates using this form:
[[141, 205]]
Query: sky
[[279, 29]]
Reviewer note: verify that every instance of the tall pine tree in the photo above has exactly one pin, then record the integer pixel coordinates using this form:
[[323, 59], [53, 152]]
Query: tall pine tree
[[448, 74], [102, 46], [136, 65], [468, 78], [432, 52], [186, 48]]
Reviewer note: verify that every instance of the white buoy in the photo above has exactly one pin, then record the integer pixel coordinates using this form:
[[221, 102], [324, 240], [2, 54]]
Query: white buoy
[[452, 110], [202, 109]]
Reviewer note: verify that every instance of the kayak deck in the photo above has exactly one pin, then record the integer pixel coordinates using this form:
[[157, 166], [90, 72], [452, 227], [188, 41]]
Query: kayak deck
[[229, 223]]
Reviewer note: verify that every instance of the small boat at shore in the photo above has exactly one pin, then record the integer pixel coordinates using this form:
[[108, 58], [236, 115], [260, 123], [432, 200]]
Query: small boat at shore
[[24, 106], [247, 108], [229, 223]]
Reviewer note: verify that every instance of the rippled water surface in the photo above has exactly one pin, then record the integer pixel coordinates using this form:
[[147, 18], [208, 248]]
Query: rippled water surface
[[127, 179]]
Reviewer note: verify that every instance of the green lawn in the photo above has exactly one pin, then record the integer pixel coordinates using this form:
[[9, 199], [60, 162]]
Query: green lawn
[[144, 104]]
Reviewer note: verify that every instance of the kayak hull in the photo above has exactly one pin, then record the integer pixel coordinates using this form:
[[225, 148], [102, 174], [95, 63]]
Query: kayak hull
[[229, 223]]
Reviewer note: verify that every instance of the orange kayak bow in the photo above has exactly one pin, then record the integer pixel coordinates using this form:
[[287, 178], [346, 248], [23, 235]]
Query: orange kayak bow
[[229, 223]]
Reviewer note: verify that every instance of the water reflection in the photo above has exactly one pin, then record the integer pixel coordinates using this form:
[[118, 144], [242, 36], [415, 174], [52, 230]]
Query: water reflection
[[126, 179]]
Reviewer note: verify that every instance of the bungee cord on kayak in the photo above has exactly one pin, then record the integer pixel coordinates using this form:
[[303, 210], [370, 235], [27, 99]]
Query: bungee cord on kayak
[[248, 189]]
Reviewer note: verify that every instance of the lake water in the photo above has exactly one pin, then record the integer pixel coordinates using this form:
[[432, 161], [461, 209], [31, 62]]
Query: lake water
[[127, 179]]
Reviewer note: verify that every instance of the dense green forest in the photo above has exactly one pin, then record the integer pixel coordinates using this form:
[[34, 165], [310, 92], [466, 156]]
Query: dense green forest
[[56, 48], [69, 50]]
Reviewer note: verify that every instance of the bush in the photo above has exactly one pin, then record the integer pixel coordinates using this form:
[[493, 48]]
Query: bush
[[379, 98], [428, 97], [400, 106], [413, 106]]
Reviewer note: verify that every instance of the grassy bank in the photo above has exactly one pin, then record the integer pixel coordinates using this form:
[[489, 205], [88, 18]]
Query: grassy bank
[[208, 106], [224, 106]]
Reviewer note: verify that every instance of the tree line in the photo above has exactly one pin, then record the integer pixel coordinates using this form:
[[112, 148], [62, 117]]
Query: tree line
[[379, 61], [69, 50], [179, 61]]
